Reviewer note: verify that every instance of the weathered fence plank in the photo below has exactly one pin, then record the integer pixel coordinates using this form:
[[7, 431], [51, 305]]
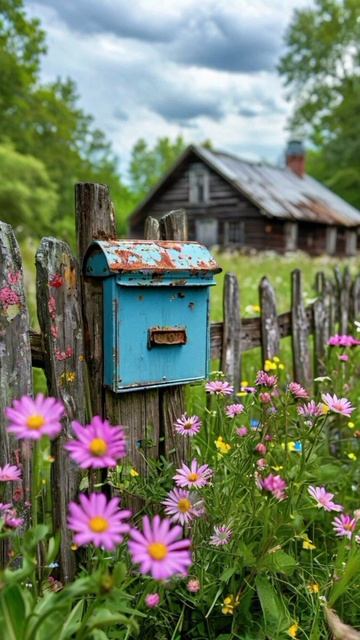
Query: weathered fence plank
[[94, 220], [231, 339], [173, 226], [355, 299], [270, 332], [300, 332], [15, 364], [152, 229], [345, 301], [59, 312]]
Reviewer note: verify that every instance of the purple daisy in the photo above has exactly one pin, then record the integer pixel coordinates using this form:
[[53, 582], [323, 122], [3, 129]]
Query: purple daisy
[[10, 473], [344, 526], [182, 506], [193, 476], [11, 520], [234, 410], [159, 549], [187, 425], [222, 535], [152, 600], [310, 410], [98, 444], [33, 418], [97, 521], [324, 499], [219, 388], [298, 391], [338, 405], [275, 485], [263, 379]]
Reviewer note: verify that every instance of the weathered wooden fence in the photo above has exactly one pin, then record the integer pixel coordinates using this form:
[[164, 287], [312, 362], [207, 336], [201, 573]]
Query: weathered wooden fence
[[69, 346]]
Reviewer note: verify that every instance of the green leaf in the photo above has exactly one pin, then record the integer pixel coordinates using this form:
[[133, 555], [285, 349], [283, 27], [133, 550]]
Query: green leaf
[[13, 610], [276, 616], [279, 562], [72, 622], [352, 570], [227, 574], [105, 618]]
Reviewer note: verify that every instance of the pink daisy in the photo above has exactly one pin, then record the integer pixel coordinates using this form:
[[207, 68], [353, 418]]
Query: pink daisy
[[265, 380], [324, 499], [222, 535], [338, 405], [310, 410], [98, 444], [234, 410], [343, 341], [11, 520], [344, 357], [193, 476], [181, 506], [242, 431], [10, 473], [159, 549], [275, 485], [187, 425], [297, 390], [33, 419], [152, 600], [97, 521], [219, 387], [5, 506], [344, 526]]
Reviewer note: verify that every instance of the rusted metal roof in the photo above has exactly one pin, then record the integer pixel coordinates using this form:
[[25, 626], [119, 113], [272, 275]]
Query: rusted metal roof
[[149, 256], [280, 193]]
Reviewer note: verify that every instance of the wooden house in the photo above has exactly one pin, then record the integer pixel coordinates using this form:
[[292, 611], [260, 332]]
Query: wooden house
[[238, 204]]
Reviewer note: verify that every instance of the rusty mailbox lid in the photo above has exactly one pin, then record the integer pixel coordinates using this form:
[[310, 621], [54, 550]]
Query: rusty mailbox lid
[[151, 262]]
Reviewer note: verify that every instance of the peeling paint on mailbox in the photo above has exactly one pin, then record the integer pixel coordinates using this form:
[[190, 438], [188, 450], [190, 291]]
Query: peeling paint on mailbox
[[156, 311]]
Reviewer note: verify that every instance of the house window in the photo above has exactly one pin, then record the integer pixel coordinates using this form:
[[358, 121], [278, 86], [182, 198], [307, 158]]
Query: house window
[[199, 184], [235, 232], [207, 231]]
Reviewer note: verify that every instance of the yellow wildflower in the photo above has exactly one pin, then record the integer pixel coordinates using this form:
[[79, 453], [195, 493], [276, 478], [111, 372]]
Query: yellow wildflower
[[229, 604], [276, 359], [314, 587], [68, 376], [351, 425], [324, 408], [292, 631], [278, 467], [307, 544], [244, 383], [256, 308], [352, 456], [281, 366], [222, 447], [241, 394], [134, 473], [270, 365]]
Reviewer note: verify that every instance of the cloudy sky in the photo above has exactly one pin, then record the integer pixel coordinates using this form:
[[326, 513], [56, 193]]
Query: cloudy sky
[[149, 68]]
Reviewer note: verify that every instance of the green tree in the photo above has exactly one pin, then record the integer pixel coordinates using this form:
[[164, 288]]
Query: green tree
[[149, 164], [28, 198], [321, 68], [45, 121]]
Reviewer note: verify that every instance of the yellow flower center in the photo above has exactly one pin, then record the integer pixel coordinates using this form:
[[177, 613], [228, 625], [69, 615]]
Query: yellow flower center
[[98, 524], [35, 422], [184, 505], [158, 550], [98, 447], [192, 477]]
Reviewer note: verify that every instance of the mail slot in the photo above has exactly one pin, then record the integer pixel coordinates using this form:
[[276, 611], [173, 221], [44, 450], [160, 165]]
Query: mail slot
[[155, 311], [166, 336]]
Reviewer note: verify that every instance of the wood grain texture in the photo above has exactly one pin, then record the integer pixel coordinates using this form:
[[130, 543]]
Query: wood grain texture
[[15, 365], [59, 313], [173, 226], [95, 220], [270, 332], [344, 299], [300, 332], [152, 229], [230, 362], [355, 299]]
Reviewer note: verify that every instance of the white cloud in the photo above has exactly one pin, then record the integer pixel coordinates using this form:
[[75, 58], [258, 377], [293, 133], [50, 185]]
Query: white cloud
[[153, 69]]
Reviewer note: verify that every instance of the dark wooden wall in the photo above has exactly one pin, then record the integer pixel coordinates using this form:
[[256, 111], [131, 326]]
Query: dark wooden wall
[[226, 204]]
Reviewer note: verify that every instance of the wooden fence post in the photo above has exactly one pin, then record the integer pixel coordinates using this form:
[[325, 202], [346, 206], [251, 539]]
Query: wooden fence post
[[15, 364], [270, 332], [299, 334], [322, 324], [94, 220], [355, 299], [345, 301], [59, 312], [231, 342], [173, 226]]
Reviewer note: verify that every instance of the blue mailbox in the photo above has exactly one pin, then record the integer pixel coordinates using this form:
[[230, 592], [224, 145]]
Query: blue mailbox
[[156, 311]]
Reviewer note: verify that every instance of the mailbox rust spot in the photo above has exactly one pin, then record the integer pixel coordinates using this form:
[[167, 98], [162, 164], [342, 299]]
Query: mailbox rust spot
[[167, 336]]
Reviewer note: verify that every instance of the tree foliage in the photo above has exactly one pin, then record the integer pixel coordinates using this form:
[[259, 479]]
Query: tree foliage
[[321, 68], [45, 121], [149, 164]]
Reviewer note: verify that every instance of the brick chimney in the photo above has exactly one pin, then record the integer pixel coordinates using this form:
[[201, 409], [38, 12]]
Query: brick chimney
[[295, 157]]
